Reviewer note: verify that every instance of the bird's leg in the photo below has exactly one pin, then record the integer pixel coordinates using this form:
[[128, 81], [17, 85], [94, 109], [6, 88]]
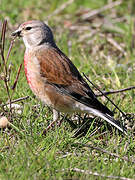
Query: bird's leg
[[56, 115]]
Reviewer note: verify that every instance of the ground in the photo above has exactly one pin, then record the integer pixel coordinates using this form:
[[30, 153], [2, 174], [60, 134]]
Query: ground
[[101, 45]]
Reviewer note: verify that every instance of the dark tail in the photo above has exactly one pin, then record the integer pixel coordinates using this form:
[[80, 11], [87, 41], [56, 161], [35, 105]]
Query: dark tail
[[109, 119]]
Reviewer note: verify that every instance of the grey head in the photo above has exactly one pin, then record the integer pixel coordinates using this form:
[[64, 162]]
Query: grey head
[[35, 33]]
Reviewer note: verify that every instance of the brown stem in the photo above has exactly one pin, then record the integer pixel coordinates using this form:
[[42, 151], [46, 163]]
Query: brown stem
[[116, 91], [125, 158], [17, 77], [106, 97], [16, 100], [2, 45], [11, 45]]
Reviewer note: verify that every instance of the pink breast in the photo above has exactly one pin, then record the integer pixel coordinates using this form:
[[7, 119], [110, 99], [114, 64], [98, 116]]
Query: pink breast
[[28, 72]]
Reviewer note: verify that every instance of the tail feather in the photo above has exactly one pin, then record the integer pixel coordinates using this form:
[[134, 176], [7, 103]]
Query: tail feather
[[109, 119], [102, 108]]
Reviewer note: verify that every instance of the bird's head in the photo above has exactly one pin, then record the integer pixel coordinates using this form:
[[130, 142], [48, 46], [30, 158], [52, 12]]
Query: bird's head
[[34, 33]]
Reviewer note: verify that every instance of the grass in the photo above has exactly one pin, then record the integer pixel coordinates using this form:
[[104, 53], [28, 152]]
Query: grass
[[25, 153]]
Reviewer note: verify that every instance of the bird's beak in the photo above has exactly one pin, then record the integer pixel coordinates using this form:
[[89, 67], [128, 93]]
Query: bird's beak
[[16, 33]]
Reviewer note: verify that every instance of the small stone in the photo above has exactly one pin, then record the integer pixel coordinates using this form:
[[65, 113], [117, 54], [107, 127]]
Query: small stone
[[3, 122]]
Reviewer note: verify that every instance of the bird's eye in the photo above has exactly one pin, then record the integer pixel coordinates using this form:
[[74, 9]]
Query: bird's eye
[[28, 28]]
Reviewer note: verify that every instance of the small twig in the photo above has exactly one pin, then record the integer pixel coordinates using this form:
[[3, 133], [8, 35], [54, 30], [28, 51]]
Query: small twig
[[125, 158], [61, 8], [16, 100], [100, 10], [20, 99], [106, 97], [116, 91], [88, 172], [3, 35], [2, 45], [17, 76], [11, 45], [87, 36]]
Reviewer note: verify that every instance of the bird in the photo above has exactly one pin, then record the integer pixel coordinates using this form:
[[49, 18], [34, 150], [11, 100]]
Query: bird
[[53, 77]]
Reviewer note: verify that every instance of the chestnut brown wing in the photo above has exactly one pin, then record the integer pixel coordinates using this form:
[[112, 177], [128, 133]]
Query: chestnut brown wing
[[61, 73], [57, 69]]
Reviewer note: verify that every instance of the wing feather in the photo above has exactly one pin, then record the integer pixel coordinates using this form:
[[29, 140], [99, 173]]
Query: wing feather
[[61, 73]]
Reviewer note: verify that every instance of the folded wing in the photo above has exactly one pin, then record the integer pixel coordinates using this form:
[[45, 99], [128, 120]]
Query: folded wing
[[61, 73]]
